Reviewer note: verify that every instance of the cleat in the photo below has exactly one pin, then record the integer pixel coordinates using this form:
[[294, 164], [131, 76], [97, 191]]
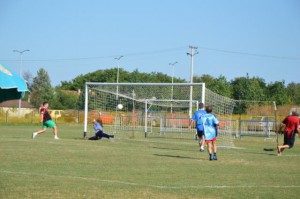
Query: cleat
[[215, 157], [56, 138], [34, 134], [210, 157], [201, 149]]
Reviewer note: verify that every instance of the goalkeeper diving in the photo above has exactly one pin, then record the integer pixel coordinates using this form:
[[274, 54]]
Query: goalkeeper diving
[[99, 134]]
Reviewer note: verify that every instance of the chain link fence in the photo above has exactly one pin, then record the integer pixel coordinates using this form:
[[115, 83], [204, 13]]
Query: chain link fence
[[241, 125], [32, 116]]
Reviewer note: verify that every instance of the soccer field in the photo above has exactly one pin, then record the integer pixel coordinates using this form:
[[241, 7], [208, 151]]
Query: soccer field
[[137, 167]]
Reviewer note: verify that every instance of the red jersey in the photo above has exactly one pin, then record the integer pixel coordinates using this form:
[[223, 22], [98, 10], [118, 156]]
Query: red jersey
[[291, 125], [46, 115]]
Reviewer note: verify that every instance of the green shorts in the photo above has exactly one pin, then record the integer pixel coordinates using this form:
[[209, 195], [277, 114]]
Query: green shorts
[[49, 124]]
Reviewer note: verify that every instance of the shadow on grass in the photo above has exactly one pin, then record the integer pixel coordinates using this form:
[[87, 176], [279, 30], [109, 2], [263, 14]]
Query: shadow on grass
[[79, 138], [166, 148], [262, 153], [175, 156], [169, 138]]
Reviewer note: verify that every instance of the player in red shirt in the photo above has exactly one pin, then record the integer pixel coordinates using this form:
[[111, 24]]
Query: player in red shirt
[[291, 124], [47, 121]]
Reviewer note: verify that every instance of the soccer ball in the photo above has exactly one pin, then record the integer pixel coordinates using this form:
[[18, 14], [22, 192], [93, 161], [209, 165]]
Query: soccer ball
[[120, 106]]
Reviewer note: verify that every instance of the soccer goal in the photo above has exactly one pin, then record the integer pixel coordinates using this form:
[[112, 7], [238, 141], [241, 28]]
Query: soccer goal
[[159, 111]]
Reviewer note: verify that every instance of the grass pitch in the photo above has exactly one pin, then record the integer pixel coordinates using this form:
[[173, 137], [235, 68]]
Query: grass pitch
[[137, 167]]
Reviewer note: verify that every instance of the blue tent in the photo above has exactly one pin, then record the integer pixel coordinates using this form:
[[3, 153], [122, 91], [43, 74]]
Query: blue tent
[[12, 86]]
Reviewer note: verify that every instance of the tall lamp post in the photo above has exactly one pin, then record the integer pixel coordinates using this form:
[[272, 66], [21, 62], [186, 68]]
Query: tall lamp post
[[172, 64], [192, 54], [21, 67], [118, 73]]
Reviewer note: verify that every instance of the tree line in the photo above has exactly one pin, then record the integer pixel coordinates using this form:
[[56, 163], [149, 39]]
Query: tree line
[[69, 95]]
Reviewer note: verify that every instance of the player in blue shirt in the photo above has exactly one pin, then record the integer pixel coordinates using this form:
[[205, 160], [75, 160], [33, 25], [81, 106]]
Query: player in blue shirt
[[99, 131], [210, 123], [199, 126]]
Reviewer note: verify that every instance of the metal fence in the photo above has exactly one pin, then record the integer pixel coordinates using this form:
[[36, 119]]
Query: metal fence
[[32, 116], [237, 127], [257, 128]]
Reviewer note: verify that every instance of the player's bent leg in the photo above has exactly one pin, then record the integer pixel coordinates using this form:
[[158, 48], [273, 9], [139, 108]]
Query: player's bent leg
[[55, 133], [101, 134], [202, 144], [215, 146], [94, 138], [209, 149], [215, 150], [55, 130], [281, 149], [279, 152], [41, 131], [34, 134], [51, 124]]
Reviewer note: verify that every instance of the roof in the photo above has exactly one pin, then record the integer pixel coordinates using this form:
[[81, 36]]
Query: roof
[[15, 103]]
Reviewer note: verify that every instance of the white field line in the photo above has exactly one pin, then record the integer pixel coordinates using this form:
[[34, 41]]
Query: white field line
[[153, 186]]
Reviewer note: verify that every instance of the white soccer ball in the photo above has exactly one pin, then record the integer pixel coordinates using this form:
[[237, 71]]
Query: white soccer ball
[[120, 106]]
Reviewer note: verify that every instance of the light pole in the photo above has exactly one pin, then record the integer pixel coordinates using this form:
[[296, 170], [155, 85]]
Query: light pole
[[21, 67], [192, 54], [172, 64], [118, 60]]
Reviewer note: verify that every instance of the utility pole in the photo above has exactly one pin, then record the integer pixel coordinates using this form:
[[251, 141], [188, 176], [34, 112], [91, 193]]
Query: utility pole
[[21, 68], [192, 54], [118, 73], [172, 89]]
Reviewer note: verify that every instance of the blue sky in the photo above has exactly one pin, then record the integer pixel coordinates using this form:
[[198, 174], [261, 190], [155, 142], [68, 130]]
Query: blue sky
[[234, 37]]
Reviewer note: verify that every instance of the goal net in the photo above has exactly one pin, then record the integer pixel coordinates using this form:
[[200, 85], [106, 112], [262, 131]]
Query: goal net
[[155, 111]]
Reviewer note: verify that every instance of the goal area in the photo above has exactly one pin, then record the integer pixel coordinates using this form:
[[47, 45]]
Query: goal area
[[157, 112]]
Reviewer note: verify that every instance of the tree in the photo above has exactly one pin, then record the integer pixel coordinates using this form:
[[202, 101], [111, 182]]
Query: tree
[[64, 99], [110, 75], [277, 92], [218, 85], [28, 78], [41, 89], [252, 89], [293, 90]]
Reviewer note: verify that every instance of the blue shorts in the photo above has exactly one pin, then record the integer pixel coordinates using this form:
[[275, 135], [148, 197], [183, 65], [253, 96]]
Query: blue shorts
[[200, 133]]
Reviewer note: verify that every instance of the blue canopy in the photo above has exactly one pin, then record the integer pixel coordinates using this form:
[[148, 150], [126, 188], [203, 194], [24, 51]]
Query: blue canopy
[[12, 86]]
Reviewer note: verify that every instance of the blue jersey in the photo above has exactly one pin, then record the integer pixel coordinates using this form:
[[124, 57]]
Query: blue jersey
[[197, 118], [97, 126], [209, 123]]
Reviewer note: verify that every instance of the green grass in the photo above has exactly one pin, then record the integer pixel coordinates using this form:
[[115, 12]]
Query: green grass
[[139, 168]]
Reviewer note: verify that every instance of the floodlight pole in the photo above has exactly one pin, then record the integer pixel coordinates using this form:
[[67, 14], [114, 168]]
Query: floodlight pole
[[118, 73], [21, 67], [172, 90], [192, 54]]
